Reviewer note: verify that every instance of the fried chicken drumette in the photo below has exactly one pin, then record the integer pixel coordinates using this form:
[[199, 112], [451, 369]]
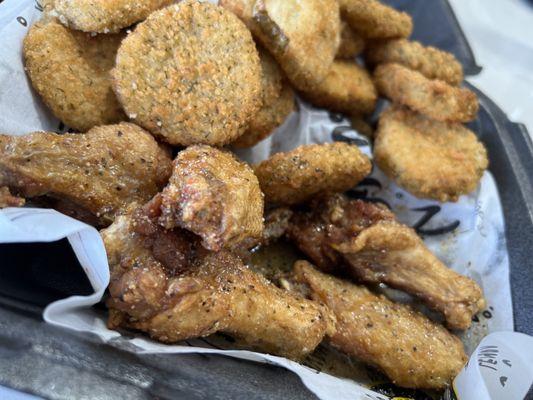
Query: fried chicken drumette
[[376, 248], [100, 172], [412, 350], [165, 284], [214, 195]]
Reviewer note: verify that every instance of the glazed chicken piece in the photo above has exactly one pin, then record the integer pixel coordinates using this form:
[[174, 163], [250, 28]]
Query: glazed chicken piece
[[367, 239], [166, 284], [214, 195], [101, 171], [412, 350]]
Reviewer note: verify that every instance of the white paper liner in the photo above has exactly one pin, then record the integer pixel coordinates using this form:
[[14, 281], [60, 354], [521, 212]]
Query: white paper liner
[[476, 248]]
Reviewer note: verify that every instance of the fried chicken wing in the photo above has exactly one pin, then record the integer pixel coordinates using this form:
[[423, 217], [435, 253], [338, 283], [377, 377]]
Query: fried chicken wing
[[412, 350], [164, 284], [214, 195], [8, 200], [376, 248], [101, 171]]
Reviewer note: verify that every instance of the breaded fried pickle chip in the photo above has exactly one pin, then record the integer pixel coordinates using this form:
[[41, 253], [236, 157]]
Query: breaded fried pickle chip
[[190, 74], [298, 175], [433, 98], [351, 44], [373, 20], [71, 72], [215, 196], [102, 16], [303, 36], [430, 159], [347, 88], [101, 171], [277, 99], [431, 62]]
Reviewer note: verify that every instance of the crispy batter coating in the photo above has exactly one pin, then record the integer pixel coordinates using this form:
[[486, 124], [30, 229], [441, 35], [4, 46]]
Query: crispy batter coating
[[412, 350], [433, 63], [351, 44], [302, 36], [71, 72], [101, 171], [215, 196], [373, 20], [367, 239], [348, 88], [277, 103], [202, 293], [190, 74], [436, 99], [300, 174], [430, 159], [102, 16]]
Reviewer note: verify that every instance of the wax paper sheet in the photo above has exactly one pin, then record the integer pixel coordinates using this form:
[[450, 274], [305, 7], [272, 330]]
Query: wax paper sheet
[[467, 235]]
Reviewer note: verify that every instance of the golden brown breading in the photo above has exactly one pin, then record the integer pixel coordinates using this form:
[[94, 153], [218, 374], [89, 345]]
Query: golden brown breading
[[433, 98], [277, 103], [430, 159], [431, 62], [101, 171], [215, 196], [71, 72], [268, 119], [302, 36], [102, 16], [201, 294], [347, 88], [373, 20], [412, 350], [351, 44], [190, 74], [300, 174], [374, 247]]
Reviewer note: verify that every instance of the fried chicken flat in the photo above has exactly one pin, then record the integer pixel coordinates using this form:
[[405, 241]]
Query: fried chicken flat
[[412, 350], [101, 171], [376, 248], [164, 284], [214, 195]]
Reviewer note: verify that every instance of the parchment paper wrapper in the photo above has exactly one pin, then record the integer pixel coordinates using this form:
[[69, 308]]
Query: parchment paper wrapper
[[468, 236]]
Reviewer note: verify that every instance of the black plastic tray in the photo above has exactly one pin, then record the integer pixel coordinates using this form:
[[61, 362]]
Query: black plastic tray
[[53, 363]]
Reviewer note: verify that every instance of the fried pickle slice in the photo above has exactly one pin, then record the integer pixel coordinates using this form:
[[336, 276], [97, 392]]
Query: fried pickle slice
[[431, 62], [436, 99], [214, 195], [190, 74], [101, 171], [300, 174], [430, 159], [162, 283], [71, 72], [302, 36], [366, 239], [277, 103], [409, 348], [347, 88], [372, 19], [351, 44], [102, 16]]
